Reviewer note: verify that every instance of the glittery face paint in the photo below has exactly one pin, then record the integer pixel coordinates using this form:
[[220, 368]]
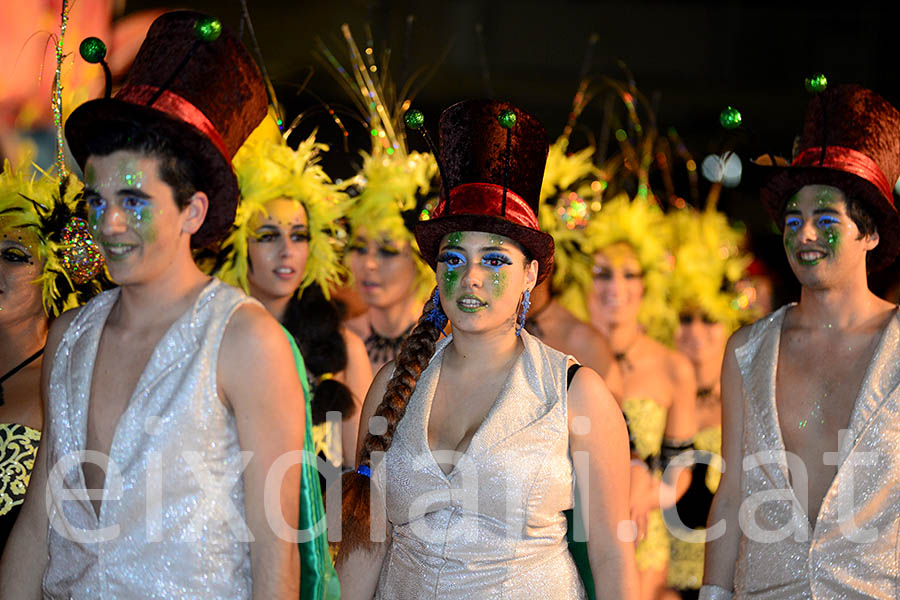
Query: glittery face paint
[[126, 181], [497, 262], [452, 260], [480, 274], [826, 219], [133, 215], [20, 269]]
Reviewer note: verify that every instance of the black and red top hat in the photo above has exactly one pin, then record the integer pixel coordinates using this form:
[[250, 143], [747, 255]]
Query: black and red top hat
[[203, 92], [491, 178], [850, 140]]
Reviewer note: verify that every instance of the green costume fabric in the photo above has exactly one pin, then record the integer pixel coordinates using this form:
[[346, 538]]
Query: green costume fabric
[[580, 556], [318, 579]]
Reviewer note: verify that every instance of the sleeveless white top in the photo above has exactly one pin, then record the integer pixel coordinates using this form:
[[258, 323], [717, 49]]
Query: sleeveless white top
[[494, 527], [172, 519]]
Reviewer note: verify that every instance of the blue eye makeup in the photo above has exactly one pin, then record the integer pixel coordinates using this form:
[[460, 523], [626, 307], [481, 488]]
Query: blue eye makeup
[[495, 261], [826, 221], [133, 203], [793, 223], [452, 259]]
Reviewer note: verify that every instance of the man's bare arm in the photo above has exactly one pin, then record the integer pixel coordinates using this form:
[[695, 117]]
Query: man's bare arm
[[260, 383], [722, 553]]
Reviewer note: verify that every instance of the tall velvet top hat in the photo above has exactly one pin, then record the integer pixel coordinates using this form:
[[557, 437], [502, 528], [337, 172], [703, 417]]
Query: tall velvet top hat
[[492, 165], [194, 82], [850, 140]]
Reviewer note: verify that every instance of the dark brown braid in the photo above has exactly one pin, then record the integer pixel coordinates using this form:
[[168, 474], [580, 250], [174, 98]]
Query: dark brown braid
[[411, 361]]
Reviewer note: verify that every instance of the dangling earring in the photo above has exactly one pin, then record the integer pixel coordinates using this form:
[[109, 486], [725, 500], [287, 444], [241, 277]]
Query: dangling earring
[[436, 315], [526, 304]]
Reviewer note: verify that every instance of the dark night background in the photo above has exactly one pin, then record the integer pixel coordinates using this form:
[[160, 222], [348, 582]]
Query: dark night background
[[693, 58]]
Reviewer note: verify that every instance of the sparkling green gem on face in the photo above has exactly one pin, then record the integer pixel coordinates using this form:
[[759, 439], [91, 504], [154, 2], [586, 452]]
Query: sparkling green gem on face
[[451, 280], [455, 238], [499, 281]]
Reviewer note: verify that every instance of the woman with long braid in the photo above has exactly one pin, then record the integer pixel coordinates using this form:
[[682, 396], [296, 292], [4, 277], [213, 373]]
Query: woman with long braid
[[479, 439]]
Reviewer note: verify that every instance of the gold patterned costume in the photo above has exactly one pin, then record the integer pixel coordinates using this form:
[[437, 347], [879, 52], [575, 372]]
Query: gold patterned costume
[[646, 425], [18, 447]]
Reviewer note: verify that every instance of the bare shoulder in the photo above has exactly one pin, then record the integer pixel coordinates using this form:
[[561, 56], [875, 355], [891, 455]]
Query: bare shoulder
[[354, 344], [379, 384], [376, 392], [585, 338], [358, 325], [588, 395], [252, 328], [738, 339], [679, 366], [253, 338]]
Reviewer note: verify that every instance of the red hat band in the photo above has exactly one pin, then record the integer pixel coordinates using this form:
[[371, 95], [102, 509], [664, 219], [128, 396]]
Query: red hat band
[[487, 199], [175, 106], [847, 160]]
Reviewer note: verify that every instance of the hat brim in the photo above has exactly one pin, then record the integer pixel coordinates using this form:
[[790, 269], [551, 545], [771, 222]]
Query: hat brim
[[538, 244], [783, 182], [218, 180]]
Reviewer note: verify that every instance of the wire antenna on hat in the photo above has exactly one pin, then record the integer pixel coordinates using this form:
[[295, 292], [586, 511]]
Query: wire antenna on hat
[[270, 89], [582, 97]]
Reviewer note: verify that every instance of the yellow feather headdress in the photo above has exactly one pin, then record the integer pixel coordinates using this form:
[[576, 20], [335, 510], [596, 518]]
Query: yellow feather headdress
[[708, 261], [640, 223], [567, 194], [73, 269], [268, 169], [393, 183]]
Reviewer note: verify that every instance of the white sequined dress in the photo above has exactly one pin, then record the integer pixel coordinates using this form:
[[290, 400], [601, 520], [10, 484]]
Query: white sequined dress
[[853, 551], [174, 527], [494, 527]]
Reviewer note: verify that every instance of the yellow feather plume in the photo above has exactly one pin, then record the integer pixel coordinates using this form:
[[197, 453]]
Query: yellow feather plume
[[268, 169]]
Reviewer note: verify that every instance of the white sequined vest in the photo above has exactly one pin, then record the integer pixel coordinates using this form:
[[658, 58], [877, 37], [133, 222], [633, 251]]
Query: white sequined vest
[[494, 528], [853, 549], [172, 519]]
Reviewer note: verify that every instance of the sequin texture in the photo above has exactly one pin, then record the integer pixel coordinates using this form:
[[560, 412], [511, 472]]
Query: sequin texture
[[194, 544], [494, 527], [827, 560]]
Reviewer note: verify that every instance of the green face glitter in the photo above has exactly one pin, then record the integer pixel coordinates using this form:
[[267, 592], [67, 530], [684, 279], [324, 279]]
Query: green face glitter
[[141, 220], [451, 281], [499, 280], [455, 238]]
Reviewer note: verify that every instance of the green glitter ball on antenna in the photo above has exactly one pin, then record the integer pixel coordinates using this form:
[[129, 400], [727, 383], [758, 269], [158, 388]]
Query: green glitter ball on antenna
[[507, 118], [92, 49], [414, 118], [208, 29], [816, 83], [730, 118]]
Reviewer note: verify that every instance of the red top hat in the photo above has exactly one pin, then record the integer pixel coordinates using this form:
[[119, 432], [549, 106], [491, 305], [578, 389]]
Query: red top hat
[[850, 140], [205, 96], [491, 179]]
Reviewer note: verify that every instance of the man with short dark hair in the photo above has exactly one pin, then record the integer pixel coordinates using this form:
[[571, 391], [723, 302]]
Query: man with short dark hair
[[175, 414], [809, 504]]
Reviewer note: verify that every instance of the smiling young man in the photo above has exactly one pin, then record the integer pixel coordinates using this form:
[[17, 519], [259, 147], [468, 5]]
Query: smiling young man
[[172, 401], [810, 498]]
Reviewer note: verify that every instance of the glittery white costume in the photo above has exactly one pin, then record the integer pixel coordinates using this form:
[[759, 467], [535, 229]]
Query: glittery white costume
[[179, 511], [824, 562], [494, 527]]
